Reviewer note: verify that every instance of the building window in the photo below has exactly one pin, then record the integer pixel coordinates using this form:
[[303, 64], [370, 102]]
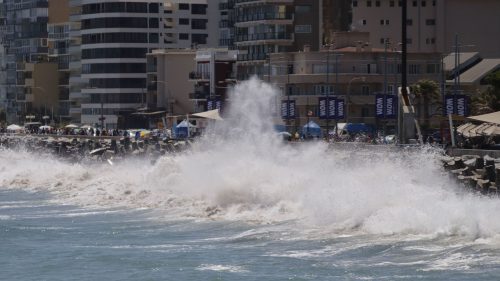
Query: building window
[[364, 22], [199, 24], [391, 3], [434, 3], [365, 90], [433, 68], [409, 22], [386, 22], [355, 3], [377, 3], [183, 36], [381, 22], [409, 41], [415, 3], [423, 3], [153, 8], [307, 28], [433, 40], [400, 3], [368, 3], [199, 9], [184, 21], [303, 9], [183, 6], [430, 22], [199, 38], [414, 69]]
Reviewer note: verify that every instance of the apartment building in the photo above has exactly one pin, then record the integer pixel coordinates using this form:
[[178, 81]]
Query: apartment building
[[191, 24], [354, 74], [214, 74], [432, 24], [58, 42], [4, 102], [169, 86], [115, 38], [266, 27], [25, 42]]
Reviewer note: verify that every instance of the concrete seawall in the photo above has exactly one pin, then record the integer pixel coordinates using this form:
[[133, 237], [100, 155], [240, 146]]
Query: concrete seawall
[[458, 152]]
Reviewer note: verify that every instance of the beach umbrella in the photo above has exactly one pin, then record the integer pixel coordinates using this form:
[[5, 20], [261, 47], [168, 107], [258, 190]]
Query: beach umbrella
[[45, 127], [71, 126], [14, 127], [86, 127]]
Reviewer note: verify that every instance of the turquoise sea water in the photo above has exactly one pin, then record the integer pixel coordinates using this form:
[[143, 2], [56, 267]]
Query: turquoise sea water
[[41, 240], [242, 205]]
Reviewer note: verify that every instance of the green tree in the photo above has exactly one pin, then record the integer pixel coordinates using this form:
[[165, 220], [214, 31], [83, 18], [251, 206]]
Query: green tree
[[488, 101], [427, 94]]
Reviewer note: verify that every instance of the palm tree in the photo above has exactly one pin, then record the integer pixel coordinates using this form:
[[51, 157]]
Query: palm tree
[[488, 100], [427, 94]]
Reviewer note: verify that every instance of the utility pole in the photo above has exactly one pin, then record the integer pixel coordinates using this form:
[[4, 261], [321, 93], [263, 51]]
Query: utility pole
[[404, 49], [102, 113], [328, 92]]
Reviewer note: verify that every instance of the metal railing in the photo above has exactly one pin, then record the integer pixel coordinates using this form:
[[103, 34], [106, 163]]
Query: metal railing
[[264, 16], [264, 36]]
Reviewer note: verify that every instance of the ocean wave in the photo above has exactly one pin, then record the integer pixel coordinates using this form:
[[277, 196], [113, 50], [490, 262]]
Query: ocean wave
[[242, 171]]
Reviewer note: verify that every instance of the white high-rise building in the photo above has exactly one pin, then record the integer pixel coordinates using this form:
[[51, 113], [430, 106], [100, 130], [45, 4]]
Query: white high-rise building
[[115, 37]]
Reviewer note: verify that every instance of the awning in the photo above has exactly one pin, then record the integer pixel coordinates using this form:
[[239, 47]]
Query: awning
[[211, 114], [490, 118], [493, 130], [465, 128]]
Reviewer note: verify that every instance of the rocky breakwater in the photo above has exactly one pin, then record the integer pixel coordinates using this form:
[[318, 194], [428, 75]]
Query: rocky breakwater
[[87, 148], [477, 173]]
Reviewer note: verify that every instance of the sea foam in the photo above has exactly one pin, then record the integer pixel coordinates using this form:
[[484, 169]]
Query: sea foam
[[241, 170]]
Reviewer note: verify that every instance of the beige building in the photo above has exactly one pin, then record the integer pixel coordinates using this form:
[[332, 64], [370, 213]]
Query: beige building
[[58, 43], [169, 86], [432, 24], [38, 95], [355, 74]]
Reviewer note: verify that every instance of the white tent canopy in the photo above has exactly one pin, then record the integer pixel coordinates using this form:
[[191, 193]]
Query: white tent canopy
[[14, 127], [211, 114], [71, 126], [490, 118]]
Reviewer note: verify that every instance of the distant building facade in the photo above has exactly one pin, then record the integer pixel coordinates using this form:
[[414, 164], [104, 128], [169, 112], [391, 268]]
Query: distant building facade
[[115, 38], [191, 24], [354, 74], [432, 24]]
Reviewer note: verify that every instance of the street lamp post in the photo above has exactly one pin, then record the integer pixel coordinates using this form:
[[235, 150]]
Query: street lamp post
[[348, 99], [102, 111]]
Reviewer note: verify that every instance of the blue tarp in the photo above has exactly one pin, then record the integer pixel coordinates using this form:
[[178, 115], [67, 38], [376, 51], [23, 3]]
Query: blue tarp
[[311, 129], [181, 130]]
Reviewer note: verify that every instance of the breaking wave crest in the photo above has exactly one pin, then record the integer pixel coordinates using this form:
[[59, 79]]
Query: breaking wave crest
[[242, 171]]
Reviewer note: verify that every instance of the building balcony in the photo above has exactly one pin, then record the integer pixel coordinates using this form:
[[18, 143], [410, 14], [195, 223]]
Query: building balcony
[[225, 42], [75, 111], [252, 57], [259, 18], [194, 75], [226, 6], [259, 2], [264, 38]]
